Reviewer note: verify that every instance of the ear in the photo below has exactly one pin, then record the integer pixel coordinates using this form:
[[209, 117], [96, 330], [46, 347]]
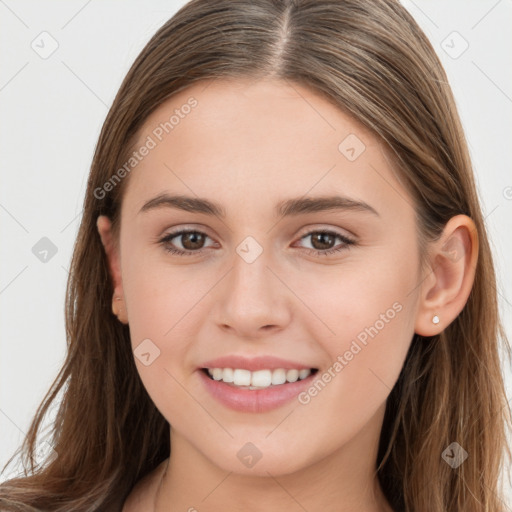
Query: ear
[[446, 289], [104, 226]]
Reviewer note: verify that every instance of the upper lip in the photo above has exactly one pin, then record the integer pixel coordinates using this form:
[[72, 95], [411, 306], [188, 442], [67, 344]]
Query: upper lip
[[254, 363]]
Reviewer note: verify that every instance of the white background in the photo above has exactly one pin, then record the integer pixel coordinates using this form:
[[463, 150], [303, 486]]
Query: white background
[[52, 111]]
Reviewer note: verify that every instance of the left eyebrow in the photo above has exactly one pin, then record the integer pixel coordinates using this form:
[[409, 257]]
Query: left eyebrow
[[289, 207]]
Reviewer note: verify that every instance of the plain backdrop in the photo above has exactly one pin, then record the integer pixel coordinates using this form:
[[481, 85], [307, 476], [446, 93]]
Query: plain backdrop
[[52, 107]]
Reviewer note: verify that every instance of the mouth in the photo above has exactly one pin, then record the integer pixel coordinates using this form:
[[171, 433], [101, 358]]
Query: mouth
[[260, 379]]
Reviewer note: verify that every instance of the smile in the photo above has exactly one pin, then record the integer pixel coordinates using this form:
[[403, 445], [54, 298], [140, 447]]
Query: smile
[[255, 391], [260, 379]]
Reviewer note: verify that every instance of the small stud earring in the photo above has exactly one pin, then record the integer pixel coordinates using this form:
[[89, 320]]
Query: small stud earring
[[435, 319]]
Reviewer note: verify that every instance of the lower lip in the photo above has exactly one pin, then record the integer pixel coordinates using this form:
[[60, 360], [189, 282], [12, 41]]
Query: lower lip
[[254, 400]]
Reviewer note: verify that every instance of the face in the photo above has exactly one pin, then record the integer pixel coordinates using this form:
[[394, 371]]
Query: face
[[270, 276]]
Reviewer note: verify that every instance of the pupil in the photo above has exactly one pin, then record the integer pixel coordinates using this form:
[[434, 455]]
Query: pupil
[[193, 238], [320, 237]]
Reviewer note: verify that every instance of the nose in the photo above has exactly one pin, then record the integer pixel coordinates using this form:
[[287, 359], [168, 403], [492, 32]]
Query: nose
[[252, 301]]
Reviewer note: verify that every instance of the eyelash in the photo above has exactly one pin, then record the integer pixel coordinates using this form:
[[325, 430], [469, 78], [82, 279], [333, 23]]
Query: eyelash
[[347, 242]]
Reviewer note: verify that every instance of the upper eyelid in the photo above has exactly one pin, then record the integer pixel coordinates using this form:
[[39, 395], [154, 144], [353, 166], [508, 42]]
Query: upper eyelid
[[334, 231]]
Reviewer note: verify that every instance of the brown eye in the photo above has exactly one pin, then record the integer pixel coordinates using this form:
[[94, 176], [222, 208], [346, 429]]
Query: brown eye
[[324, 242], [192, 242]]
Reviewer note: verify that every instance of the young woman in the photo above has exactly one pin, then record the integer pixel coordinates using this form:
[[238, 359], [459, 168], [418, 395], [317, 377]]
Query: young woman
[[282, 294]]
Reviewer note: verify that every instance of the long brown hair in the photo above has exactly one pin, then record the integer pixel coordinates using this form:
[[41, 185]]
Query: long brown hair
[[369, 58]]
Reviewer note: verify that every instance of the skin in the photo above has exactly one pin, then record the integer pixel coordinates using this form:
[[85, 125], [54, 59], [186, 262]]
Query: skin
[[247, 145]]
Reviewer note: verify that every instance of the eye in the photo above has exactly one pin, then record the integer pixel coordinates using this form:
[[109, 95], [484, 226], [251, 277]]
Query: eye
[[322, 241], [191, 242]]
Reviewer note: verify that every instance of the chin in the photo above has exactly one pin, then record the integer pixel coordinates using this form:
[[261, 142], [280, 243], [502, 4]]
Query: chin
[[249, 460]]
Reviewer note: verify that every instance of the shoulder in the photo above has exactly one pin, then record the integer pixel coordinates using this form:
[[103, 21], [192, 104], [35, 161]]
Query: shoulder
[[142, 495]]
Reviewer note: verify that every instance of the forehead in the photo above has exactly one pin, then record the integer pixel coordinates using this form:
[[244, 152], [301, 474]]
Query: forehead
[[246, 138]]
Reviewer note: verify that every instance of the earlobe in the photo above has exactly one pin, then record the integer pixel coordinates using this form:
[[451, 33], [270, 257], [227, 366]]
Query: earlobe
[[446, 288], [104, 226]]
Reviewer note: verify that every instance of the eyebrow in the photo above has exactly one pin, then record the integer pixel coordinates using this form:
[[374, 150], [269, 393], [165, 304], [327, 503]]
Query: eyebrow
[[286, 208]]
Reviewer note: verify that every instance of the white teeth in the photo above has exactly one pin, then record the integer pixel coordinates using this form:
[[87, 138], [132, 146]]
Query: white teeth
[[259, 379], [292, 375], [278, 376], [227, 375], [241, 377], [217, 374], [304, 373]]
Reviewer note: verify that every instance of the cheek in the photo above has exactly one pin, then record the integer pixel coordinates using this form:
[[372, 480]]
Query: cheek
[[158, 299], [371, 317], [158, 294], [160, 303], [161, 327], [364, 320], [169, 305]]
